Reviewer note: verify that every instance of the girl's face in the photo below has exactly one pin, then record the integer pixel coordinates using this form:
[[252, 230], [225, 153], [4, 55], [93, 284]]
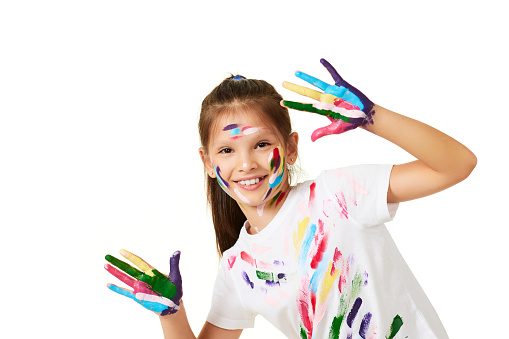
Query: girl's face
[[248, 159]]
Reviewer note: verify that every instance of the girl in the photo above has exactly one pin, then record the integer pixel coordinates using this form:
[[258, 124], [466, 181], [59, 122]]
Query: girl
[[314, 259]]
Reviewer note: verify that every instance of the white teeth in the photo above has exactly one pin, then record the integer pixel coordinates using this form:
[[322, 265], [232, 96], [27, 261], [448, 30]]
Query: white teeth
[[249, 182]]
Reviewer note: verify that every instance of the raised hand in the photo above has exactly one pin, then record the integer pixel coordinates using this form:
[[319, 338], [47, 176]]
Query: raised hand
[[151, 289], [345, 106]]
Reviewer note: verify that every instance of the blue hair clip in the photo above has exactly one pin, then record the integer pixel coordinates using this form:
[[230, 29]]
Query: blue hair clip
[[237, 78]]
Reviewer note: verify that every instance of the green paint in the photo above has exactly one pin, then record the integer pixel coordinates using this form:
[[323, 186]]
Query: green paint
[[265, 275], [269, 276], [275, 198], [345, 302], [303, 333], [133, 272], [309, 108], [397, 322], [336, 327], [158, 283]]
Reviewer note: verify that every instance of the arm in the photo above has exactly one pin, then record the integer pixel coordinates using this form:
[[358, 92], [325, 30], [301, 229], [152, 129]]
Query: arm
[[177, 326], [442, 161]]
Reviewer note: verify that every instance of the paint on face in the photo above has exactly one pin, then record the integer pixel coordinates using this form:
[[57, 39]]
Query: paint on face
[[259, 209], [241, 197], [220, 179], [277, 170], [236, 131]]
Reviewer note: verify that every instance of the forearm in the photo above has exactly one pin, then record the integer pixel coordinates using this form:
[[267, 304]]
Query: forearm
[[176, 326], [435, 149]]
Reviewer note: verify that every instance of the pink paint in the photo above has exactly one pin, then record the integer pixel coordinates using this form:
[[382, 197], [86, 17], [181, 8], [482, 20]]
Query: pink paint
[[231, 261], [241, 197], [259, 209], [271, 301], [338, 102], [342, 207], [256, 250], [250, 130], [326, 206], [350, 179], [235, 137]]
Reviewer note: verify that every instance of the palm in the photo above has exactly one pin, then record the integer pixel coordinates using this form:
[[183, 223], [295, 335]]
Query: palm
[[151, 289], [342, 103]]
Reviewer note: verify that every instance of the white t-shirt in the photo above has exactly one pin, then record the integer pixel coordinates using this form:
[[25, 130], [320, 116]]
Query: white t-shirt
[[326, 266]]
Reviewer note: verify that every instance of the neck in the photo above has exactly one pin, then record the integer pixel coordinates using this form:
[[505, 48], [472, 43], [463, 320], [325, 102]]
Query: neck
[[260, 216]]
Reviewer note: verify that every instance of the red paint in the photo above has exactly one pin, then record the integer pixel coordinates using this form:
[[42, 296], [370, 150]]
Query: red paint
[[305, 317], [247, 258], [321, 242], [236, 137], [280, 197], [312, 192]]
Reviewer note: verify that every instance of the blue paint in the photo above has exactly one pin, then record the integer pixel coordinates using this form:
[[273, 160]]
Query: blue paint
[[318, 274], [235, 131], [306, 244], [277, 181], [237, 78], [151, 305]]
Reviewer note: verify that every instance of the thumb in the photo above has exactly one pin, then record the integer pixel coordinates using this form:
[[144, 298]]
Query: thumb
[[175, 277]]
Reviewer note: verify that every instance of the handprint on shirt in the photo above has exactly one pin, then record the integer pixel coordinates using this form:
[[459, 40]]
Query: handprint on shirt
[[151, 289], [343, 104]]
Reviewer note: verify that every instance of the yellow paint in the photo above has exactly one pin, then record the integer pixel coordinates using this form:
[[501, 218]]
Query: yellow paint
[[298, 235], [308, 92], [327, 283], [140, 263]]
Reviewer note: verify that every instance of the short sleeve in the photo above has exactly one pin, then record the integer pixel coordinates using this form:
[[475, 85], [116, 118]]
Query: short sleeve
[[227, 310], [362, 191]]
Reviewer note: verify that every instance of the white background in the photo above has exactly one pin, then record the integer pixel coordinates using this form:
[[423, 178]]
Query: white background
[[99, 103]]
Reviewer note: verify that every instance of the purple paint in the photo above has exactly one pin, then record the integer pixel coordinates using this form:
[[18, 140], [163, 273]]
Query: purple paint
[[353, 313], [365, 325], [175, 277], [365, 278], [272, 283], [247, 280], [231, 126]]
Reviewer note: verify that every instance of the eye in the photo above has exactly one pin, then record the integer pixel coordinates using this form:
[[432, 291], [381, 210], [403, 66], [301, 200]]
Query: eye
[[262, 144], [226, 150]]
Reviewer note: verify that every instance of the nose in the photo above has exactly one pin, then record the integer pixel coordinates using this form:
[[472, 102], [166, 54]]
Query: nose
[[247, 162]]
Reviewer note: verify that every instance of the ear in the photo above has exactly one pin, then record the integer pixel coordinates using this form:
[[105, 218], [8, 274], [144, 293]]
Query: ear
[[292, 148], [207, 162]]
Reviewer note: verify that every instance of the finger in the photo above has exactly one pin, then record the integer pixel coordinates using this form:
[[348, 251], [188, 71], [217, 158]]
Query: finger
[[341, 112], [336, 127], [140, 263], [120, 275], [122, 291], [308, 92], [175, 276], [304, 107], [156, 299], [335, 75], [312, 80], [133, 272]]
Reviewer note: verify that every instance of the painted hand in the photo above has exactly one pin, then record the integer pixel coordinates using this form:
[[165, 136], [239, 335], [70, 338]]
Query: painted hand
[[345, 106], [151, 289]]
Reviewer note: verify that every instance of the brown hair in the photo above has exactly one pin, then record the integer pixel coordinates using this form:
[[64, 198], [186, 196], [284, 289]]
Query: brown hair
[[236, 92]]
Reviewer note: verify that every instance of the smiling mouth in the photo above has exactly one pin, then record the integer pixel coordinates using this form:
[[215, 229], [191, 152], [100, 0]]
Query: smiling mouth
[[251, 184]]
